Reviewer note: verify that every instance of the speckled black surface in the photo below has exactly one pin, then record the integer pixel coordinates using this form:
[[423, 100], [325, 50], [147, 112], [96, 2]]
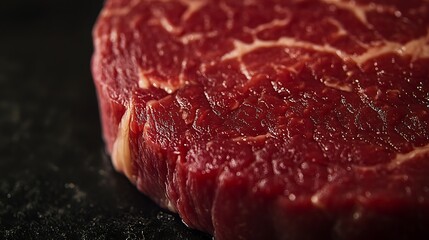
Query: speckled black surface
[[55, 180]]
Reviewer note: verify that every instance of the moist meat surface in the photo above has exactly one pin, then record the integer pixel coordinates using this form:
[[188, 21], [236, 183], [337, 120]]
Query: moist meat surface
[[271, 119]]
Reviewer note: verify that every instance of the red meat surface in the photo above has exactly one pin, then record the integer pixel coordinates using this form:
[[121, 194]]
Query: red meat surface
[[265, 119]]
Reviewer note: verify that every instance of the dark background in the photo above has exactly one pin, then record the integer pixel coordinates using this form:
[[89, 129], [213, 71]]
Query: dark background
[[56, 181]]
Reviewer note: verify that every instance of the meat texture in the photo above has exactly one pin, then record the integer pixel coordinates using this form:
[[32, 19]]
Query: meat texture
[[271, 119]]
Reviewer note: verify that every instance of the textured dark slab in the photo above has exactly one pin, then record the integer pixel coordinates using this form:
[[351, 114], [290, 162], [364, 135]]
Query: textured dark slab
[[55, 180]]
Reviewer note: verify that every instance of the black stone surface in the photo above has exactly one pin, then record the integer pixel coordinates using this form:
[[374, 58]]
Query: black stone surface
[[56, 181]]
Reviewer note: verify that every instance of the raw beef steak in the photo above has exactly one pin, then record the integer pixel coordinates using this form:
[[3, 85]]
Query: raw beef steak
[[271, 119]]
